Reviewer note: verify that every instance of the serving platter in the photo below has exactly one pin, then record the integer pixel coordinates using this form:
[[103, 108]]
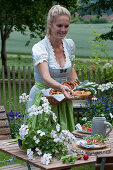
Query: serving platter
[[83, 144]]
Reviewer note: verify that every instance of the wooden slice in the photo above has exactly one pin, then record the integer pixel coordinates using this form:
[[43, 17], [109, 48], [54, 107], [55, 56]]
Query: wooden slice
[[104, 150]]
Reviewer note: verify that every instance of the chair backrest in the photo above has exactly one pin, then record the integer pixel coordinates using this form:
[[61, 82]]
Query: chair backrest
[[104, 162], [4, 125]]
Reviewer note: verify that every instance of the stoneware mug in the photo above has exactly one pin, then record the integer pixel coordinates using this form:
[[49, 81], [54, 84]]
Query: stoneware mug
[[99, 125]]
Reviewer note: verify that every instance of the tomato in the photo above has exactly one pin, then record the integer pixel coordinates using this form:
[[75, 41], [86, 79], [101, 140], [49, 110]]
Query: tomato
[[86, 156]]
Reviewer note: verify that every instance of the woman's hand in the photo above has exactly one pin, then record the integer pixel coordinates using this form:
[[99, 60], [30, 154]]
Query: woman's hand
[[68, 93]]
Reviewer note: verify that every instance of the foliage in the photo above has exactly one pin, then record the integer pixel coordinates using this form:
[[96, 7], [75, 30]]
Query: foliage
[[23, 16], [99, 51], [69, 159], [14, 122], [98, 107], [95, 139], [97, 7], [92, 20], [108, 73], [46, 138], [106, 89]]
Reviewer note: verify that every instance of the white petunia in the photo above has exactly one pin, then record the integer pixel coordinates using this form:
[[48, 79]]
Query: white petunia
[[38, 151], [42, 134], [54, 117], [24, 98], [23, 131], [58, 127], [34, 138], [37, 141], [30, 154], [46, 159]]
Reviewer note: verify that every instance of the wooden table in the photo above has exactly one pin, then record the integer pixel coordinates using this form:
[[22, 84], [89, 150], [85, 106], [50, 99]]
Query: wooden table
[[15, 151]]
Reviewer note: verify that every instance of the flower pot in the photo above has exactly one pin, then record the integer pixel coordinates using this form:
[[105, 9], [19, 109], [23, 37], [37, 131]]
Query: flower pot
[[20, 143]]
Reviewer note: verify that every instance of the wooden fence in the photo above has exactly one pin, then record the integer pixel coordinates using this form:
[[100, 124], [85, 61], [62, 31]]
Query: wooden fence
[[18, 80]]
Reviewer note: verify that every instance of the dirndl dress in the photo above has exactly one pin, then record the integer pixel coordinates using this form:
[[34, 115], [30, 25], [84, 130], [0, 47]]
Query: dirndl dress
[[43, 51]]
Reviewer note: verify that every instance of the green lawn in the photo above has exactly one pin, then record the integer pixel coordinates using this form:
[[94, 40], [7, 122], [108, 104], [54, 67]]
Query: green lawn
[[80, 33]]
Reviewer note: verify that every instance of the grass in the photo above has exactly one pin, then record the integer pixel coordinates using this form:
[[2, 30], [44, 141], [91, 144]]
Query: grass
[[80, 33], [4, 156]]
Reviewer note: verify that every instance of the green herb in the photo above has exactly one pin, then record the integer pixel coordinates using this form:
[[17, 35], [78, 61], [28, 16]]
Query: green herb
[[69, 159]]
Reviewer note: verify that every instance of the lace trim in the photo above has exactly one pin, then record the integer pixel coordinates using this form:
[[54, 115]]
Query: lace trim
[[53, 53]]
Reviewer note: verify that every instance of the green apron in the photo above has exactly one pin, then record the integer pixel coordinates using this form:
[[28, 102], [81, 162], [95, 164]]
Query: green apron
[[63, 111]]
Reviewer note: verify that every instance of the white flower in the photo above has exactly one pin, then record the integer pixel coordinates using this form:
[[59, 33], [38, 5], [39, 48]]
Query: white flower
[[46, 159], [34, 138], [30, 154], [33, 110], [58, 127], [53, 134], [106, 86], [78, 127], [84, 119], [24, 98], [38, 151], [94, 99], [42, 134], [102, 115], [54, 117], [37, 141], [111, 115], [57, 140], [23, 130], [107, 65]]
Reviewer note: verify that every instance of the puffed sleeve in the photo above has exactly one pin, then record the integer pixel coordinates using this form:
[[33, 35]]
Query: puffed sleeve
[[72, 46], [39, 53]]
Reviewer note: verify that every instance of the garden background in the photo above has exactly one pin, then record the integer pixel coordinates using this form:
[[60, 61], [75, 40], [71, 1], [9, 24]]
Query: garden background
[[20, 55]]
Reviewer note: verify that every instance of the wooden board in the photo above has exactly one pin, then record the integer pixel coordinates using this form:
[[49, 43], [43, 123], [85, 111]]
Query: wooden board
[[79, 134], [105, 150]]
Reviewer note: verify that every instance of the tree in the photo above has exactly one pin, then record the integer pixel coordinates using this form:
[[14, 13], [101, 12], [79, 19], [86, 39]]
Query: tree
[[98, 7], [21, 15]]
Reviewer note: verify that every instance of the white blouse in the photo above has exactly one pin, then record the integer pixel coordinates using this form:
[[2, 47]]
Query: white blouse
[[43, 51]]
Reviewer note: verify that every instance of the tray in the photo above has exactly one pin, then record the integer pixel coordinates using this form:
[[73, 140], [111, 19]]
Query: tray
[[82, 143]]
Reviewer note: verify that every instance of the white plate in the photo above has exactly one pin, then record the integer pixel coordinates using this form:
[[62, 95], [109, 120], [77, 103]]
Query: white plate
[[83, 144]]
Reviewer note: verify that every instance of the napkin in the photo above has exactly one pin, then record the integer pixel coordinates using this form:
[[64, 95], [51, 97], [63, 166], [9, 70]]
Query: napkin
[[58, 97]]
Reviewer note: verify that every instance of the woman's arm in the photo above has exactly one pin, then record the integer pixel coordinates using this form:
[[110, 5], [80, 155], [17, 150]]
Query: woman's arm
[[50, 82], [72, 75]]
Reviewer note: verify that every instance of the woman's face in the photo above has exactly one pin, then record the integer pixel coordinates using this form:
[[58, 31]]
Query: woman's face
[[60, 26]]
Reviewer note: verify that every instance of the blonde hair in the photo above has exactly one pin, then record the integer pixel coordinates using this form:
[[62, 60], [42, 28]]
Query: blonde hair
[[53, 12]]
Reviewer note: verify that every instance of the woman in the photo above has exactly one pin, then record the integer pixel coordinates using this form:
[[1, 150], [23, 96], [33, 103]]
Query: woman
[[52, 59]]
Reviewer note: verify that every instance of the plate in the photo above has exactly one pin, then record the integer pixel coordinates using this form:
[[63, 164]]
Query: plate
[[84, 132], [83, 144]]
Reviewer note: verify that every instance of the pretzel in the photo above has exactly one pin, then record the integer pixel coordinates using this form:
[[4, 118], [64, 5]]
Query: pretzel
[[81, 93], [70, 84], [53, 91]]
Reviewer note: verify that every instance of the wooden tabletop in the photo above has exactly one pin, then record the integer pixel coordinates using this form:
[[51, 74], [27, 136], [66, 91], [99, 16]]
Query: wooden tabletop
[[15, 151]]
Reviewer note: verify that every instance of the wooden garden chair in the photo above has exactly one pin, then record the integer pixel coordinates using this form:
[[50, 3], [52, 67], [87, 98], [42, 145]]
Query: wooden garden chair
[[5, 134], [104, 162]]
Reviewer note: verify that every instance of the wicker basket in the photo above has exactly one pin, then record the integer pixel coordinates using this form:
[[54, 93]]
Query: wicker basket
[[53, 101]]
